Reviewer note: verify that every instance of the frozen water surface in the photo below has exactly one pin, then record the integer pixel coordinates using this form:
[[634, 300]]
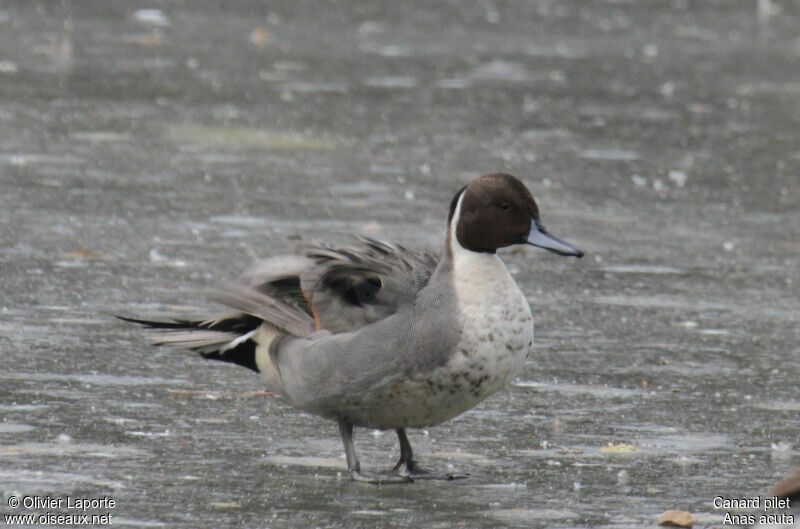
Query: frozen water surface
[[149, 150]]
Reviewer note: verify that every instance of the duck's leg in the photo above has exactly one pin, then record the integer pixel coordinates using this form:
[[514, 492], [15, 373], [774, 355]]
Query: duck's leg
[[353, 465], [408, 467]]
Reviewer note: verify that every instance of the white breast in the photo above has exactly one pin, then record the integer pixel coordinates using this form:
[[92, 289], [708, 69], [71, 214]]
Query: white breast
[[497, 322]]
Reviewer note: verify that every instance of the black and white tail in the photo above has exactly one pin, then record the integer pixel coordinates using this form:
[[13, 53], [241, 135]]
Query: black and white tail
[[229, 339]]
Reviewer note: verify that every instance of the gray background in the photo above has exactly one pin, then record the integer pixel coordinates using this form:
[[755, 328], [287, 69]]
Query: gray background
[[145, 154]]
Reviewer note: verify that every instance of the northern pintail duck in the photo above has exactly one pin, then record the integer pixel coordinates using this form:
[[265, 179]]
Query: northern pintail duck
[[381, 336]]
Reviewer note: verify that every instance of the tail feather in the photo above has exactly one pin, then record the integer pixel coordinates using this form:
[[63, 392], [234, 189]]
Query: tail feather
[[278, 312], [228, 339]]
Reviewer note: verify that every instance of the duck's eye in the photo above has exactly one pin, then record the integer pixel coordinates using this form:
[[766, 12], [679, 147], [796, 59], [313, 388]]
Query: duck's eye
[[505, 206]]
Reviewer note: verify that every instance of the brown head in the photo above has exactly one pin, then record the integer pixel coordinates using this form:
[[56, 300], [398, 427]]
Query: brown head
[[496, 211]]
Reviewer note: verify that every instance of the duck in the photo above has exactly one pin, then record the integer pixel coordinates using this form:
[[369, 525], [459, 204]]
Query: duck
[[376, 335]]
